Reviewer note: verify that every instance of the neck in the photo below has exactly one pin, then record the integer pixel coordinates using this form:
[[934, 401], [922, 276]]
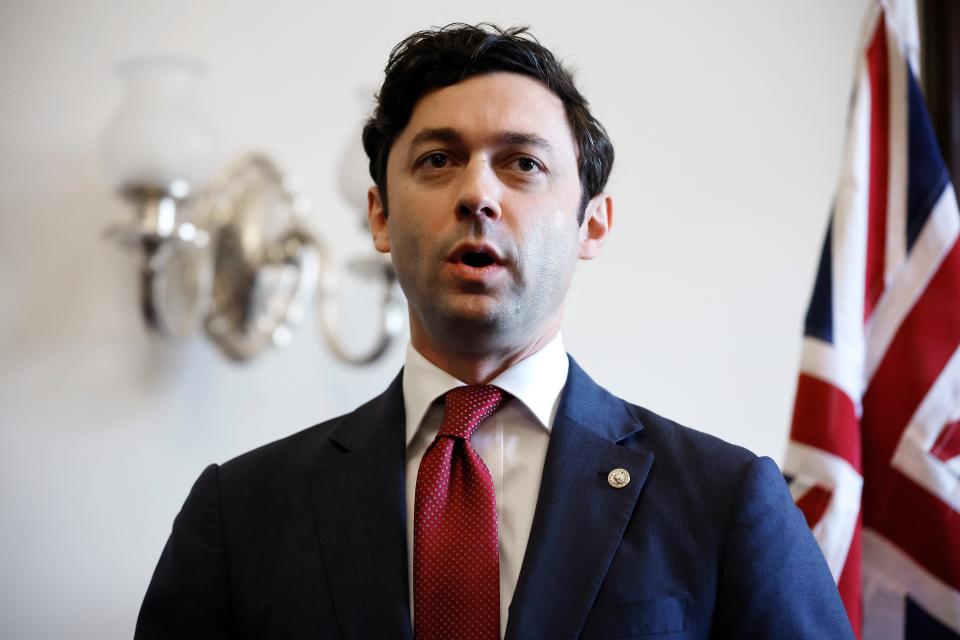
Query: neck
[[478, 366]]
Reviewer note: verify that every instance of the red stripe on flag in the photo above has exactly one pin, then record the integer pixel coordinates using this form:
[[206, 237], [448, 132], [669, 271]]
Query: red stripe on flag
[[879, 73], [926, 340], [824, 417], [813, 504], [923, 527], [849, 583], [948, 443]]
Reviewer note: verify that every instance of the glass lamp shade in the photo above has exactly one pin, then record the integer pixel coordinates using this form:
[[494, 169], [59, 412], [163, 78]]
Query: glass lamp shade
[[159, 138]]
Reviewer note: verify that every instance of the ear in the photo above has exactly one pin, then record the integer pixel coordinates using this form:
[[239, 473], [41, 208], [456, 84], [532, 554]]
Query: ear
[[597, 222], [377, 219]]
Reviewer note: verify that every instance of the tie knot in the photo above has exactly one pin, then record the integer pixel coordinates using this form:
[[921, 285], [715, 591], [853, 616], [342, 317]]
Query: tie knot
[[466, 407]]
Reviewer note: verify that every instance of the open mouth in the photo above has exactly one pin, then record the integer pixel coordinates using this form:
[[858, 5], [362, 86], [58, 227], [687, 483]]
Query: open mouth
[[477, 259], [476, 255]]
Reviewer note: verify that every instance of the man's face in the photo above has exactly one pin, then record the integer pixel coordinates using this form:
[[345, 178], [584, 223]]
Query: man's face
[[483, 192]]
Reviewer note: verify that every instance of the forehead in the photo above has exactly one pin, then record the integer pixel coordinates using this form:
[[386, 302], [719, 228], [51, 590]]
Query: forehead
[[490, 104]]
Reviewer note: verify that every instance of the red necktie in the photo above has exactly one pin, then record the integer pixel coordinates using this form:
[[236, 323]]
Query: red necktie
[[456, 555]]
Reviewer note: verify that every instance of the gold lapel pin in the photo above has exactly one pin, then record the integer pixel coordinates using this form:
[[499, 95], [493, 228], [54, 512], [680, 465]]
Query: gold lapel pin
[[618, 478]]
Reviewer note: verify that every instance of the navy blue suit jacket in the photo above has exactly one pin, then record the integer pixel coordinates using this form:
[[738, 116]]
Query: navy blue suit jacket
[[306, 537]]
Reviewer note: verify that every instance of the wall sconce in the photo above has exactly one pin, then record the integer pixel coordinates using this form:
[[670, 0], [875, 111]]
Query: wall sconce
[[231, 254]]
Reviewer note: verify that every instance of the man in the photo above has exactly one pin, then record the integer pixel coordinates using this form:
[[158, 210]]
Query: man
[[494, 489]]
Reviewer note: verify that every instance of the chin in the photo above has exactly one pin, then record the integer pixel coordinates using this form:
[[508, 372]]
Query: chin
[[475, 320]]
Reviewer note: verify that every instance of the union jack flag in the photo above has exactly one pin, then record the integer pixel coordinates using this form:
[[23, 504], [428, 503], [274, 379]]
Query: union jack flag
[[874, 454]]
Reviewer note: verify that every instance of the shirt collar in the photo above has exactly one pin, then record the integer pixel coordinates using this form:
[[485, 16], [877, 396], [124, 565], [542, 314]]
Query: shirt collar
[[536, 381]]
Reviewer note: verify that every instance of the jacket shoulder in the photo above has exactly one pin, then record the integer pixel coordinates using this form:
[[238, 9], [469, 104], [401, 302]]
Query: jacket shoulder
[[300, 451], [704, 477], [674, 442], [295, 450]]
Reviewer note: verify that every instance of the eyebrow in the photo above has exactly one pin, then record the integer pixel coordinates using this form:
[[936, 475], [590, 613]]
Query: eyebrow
[[518, 138], [443, 134], [505, 138]]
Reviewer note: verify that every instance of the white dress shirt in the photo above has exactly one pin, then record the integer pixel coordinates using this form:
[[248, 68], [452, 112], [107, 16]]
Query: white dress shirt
[[512, 442]]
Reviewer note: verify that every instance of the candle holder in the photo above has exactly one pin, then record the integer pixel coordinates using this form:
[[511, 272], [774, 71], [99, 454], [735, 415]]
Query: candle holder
[[230, 255]]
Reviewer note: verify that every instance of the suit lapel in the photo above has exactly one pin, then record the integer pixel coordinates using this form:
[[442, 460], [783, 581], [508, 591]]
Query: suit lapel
[[580, 518], [359, 502]]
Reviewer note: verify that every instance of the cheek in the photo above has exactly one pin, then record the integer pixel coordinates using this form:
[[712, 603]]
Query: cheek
[[410, 248], [415, 209], [549, 242], [563, 232], [403, 243], [419, 220]]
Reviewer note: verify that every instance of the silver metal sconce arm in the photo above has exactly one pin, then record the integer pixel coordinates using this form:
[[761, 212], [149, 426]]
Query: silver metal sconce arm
[[235, 257], [375, 268], [247, 270], [175, 277]]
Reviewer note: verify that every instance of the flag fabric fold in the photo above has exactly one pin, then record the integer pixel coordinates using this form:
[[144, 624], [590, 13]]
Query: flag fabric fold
[[874, 454]]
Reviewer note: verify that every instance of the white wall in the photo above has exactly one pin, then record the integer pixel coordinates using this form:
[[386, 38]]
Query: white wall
[[727, 119]]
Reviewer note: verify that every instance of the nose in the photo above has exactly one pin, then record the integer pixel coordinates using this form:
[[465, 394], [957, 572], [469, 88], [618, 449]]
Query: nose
[[480, 191]]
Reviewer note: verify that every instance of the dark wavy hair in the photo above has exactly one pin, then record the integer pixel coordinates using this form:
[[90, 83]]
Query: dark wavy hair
[[444, 56]]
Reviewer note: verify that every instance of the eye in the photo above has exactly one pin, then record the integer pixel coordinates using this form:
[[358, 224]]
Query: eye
[[435, 160], [528, 165]]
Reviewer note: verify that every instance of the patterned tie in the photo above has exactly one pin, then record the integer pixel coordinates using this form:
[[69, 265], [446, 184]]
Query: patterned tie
[[456, 557]]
